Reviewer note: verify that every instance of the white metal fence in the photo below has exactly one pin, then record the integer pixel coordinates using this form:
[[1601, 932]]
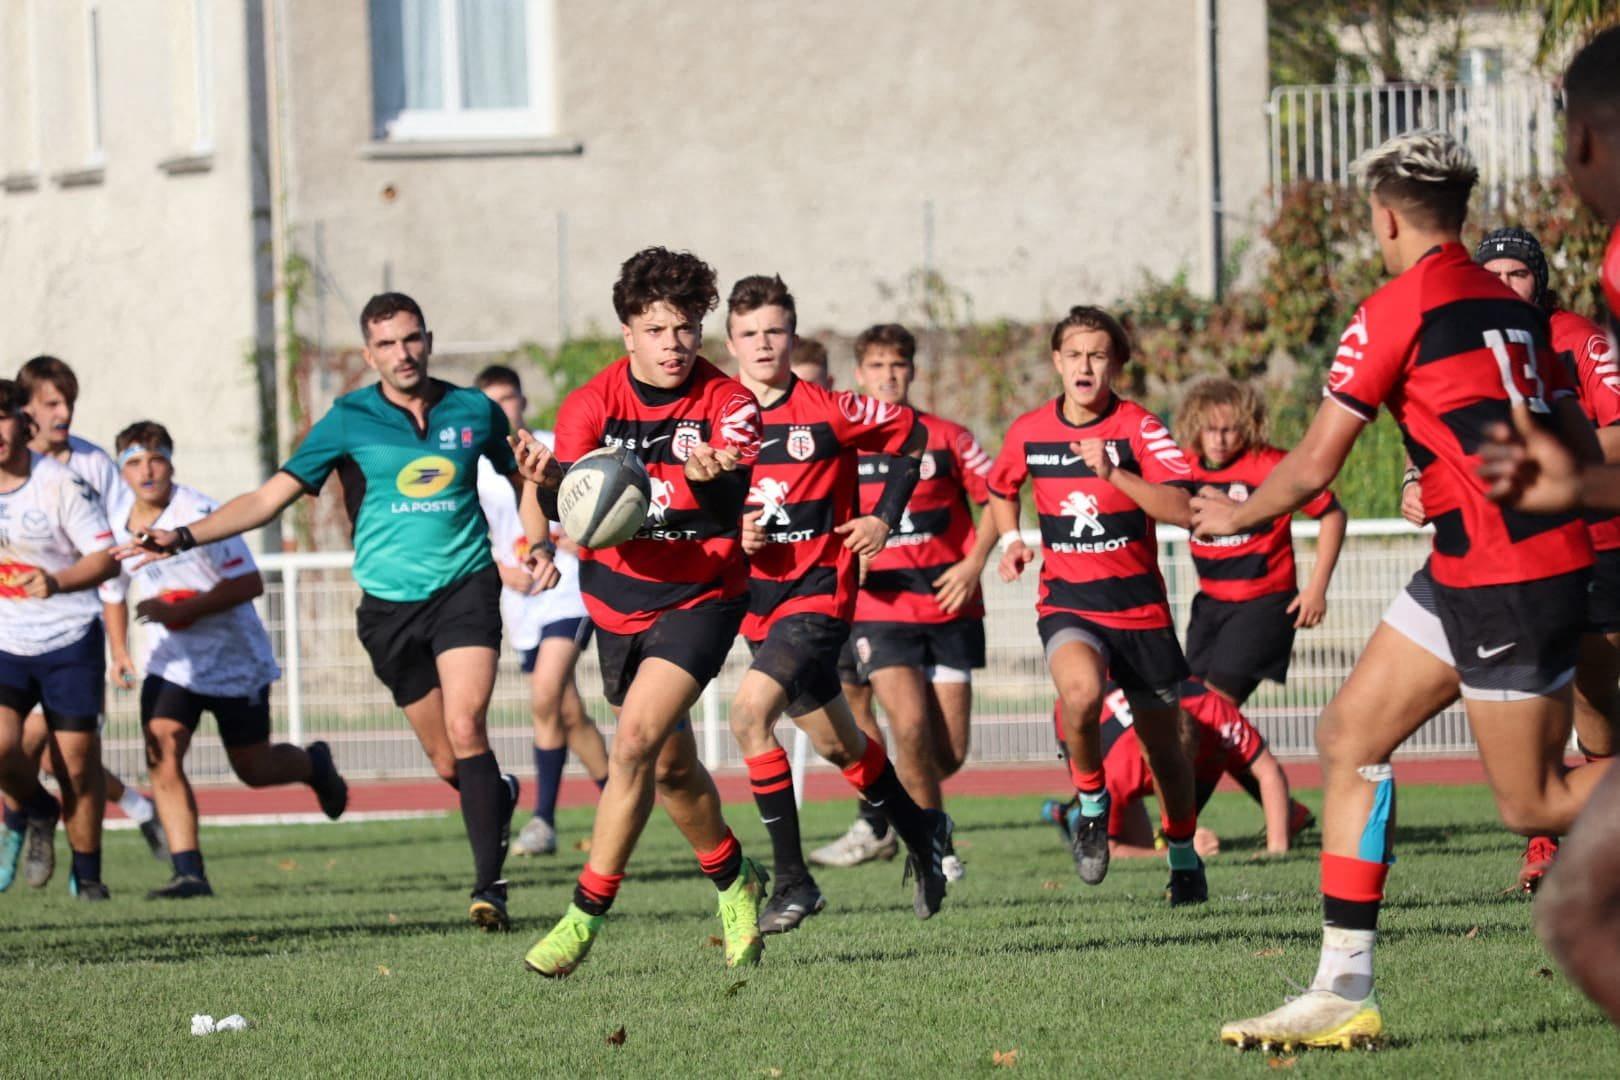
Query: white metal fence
[[328, 690], [1317, 131]]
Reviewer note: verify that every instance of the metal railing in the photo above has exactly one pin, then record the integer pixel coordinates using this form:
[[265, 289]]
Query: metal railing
[[1317, 131], [328, 691]]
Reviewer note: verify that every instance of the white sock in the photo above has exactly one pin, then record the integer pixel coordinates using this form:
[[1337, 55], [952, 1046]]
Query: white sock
[[1346, 967], [137, 806]]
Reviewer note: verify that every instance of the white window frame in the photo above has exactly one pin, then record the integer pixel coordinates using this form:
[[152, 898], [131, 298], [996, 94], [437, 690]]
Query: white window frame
[[202, 46], [455, 122], [92, 67]]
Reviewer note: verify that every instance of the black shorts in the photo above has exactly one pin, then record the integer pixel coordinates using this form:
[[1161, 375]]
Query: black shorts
[[696, 640], [1145, 663], [957, 645], [404, 639], [1603, 595], [578, 630], [849, 672], [1234, 644], [1514, 641], [242, 721], [67, 684], [801, 653]]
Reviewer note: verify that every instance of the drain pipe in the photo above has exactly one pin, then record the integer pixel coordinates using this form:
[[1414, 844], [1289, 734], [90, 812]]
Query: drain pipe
[[1217, 242]]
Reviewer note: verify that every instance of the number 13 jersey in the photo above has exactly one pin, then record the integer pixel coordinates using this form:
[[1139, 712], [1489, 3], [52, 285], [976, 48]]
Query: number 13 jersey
[[1447, 348]]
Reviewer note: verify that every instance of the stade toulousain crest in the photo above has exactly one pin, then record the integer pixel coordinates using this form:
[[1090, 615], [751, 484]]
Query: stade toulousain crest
[[801, 444], [687, 435]]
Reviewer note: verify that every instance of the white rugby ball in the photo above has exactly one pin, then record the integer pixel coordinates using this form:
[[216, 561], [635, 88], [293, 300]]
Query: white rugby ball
[[604, 496]]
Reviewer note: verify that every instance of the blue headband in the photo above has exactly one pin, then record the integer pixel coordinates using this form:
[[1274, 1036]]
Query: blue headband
[[130, 452]]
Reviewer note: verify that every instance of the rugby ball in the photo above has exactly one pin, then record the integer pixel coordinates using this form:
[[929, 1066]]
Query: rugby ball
[[604, 497]]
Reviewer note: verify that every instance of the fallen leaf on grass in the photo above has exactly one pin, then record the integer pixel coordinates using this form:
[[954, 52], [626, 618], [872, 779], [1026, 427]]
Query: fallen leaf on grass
[[287, 864], [1545, 973], [715, 942], [251, 938], [1051, 884], [392, 918], [330, 863], [770, 1072], [1281, 1062], [617, 1038], [1004, 1059], [382, 969], [731, 991], [583, 844], [1267, 954], [1473, 932]]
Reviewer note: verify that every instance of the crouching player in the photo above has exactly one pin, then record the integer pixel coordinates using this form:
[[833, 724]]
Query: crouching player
[[203, 650], [1218, 740], [1449, 350], [548, 627], [1104, 470], [803, 540], [1249, 603], [55, 548], [667, 603]]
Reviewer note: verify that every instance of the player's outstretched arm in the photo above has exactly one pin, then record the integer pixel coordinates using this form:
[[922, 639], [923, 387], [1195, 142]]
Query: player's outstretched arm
[[242, 514], [1297, 479], [1275, 799], [1310, 606]]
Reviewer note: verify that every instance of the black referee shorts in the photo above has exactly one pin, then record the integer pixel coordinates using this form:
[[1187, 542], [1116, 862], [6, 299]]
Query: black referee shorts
[[405, 639]]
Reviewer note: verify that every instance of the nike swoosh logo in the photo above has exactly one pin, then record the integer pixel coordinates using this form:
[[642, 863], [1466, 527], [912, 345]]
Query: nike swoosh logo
[[1070, 460], [769, 820], [874, 803], [660, 439], [1486, 654]]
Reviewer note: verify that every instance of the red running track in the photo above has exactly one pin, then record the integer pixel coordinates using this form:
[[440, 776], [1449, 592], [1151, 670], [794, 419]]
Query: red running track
[[822, 785]]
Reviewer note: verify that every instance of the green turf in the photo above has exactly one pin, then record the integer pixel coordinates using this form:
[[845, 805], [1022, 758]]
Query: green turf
[[347, 949]]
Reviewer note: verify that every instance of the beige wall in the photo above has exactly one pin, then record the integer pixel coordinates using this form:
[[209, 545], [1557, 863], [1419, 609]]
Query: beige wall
[[140, 279], [1063, 147]]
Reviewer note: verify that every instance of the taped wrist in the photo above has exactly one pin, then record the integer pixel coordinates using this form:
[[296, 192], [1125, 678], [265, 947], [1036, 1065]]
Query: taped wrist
[[903, 476]]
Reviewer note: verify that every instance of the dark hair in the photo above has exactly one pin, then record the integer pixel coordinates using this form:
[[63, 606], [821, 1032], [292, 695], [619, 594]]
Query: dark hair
[[758, 291], [48, 369], [1592, 83], [498, 375], [658, 275], [147, 434], [810, 351], [386, 306], [12, 400], [887, 336], [1086, 317]]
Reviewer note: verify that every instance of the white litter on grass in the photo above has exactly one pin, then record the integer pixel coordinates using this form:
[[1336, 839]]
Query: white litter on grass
[[203, 1024]]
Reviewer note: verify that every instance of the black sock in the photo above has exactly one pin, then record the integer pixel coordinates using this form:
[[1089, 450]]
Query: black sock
[[41, 805], [16, 820], [548, 770], [771, 780], [483, 810], [87, 866], [888, 796], [188, 863], [874, 816]]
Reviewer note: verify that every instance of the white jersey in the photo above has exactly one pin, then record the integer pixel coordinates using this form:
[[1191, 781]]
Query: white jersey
[[96, 467], [49, 524], [524, 616], [226, 654]]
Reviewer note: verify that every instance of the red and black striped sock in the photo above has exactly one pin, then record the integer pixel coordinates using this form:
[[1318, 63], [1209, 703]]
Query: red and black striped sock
[[770, 777], [594, 893], [874, 777], [724, 863]]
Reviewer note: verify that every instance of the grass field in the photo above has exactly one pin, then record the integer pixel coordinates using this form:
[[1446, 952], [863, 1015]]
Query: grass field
[[346, 948]]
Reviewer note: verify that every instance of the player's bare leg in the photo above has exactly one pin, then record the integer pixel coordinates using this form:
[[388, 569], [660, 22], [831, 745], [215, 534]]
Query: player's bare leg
[[560, 725], [38, 809], [760, 699], [1079, 675], [950, 716], [1395, 687], [1521, 745], [426, 717], [903, 693], [870, 836], [166, 744], [1156, 729], [1578, 908], [76, 756]]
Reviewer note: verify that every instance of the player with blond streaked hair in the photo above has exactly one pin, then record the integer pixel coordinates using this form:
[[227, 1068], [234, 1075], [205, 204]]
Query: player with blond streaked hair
[[1448, 349]]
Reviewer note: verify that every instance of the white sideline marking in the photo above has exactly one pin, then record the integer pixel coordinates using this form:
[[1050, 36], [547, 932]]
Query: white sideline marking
[[311, 818]]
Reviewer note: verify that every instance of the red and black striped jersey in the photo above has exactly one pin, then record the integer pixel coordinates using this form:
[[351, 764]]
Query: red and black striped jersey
[[1610, 277], [1259, 562], [1100, 553], [1589, 361], [1227, 741], [1447, 347], [936, 532], [804, 485], [681, 557]]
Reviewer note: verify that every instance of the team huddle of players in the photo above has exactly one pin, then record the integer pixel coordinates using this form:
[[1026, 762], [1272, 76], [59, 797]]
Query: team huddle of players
[[834, 532]]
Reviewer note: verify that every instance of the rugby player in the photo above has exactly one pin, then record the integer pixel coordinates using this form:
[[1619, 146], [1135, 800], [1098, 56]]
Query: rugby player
[[54, 550], [803, 539], [1218, 740], [667, 603], [51, 390], [203, 650], [1248, 603], [1104, 470], [1447, 348], [548, 627], [919, 617], [1578, 909], [406, 450], [810, 362]]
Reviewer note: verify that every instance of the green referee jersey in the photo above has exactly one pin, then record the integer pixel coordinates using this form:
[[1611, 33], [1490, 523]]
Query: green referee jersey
[[411, 494]]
